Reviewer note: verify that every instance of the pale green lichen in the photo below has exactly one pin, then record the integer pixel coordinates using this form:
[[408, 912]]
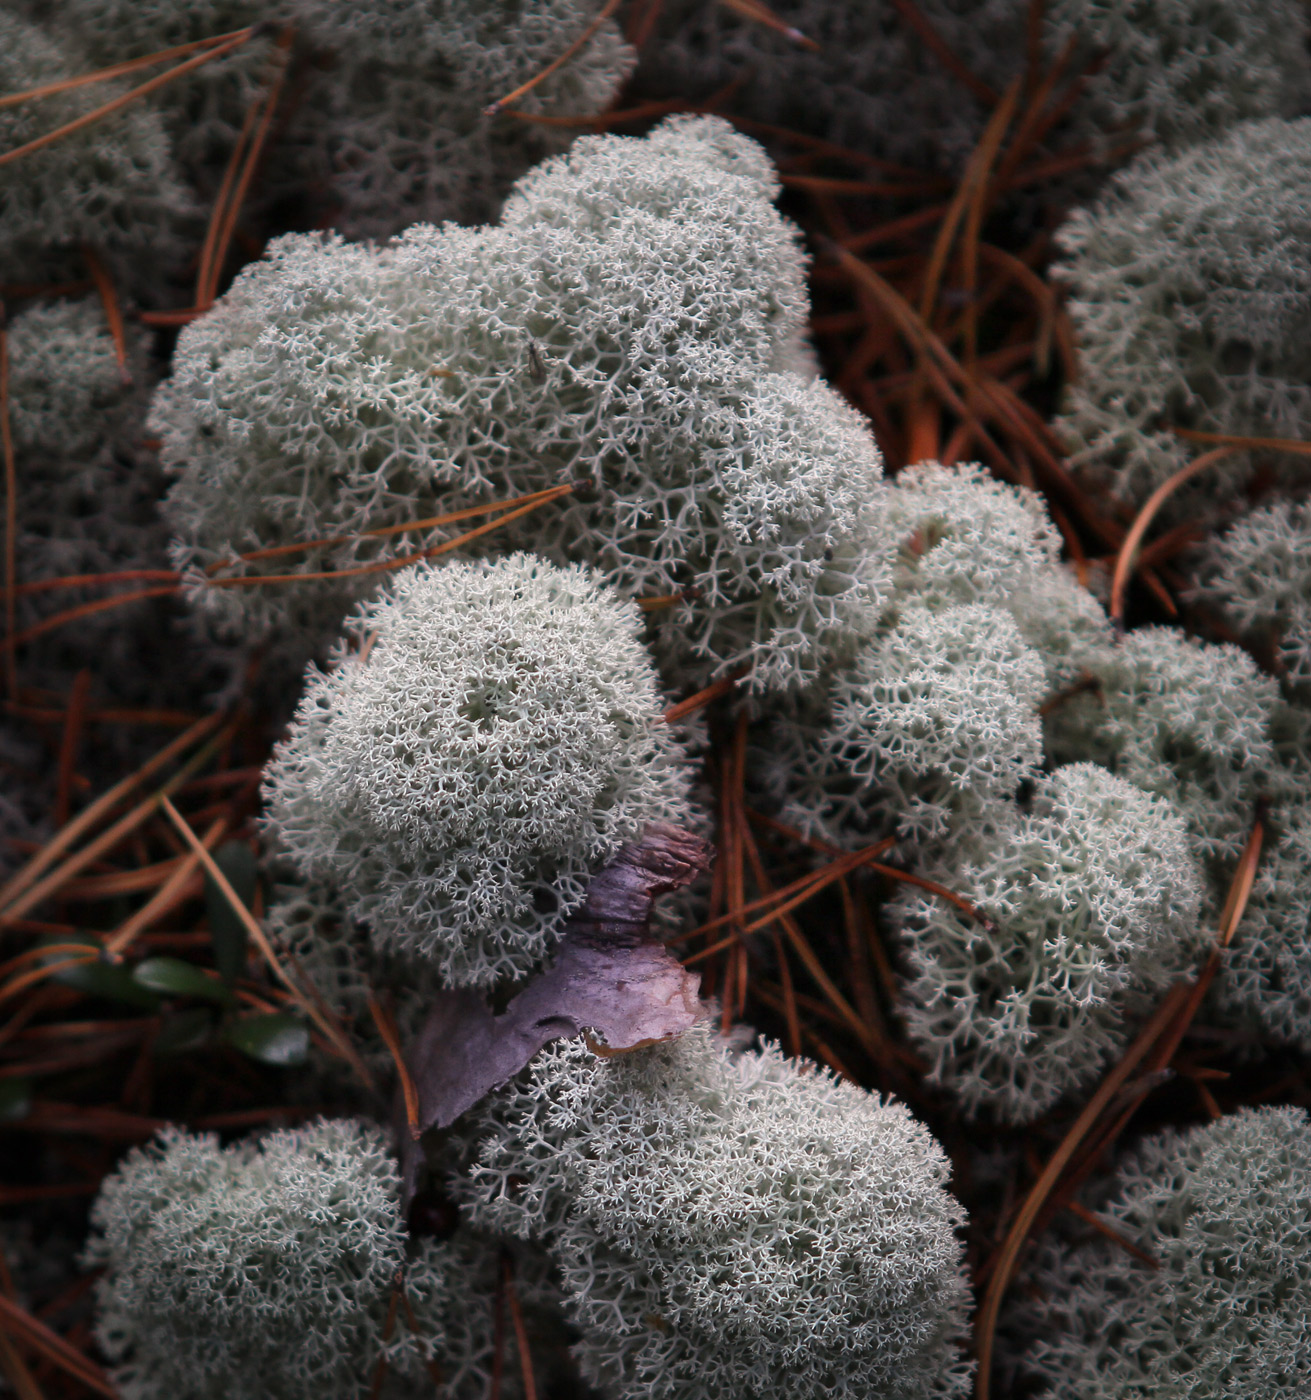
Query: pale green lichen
[[1259, 571], [1191, 294], [1225, 1210], [940, 716], [1194, 722], [111, 186], [1087, 908], [495, 741], [265, 1271], [389, 125], [631, 326], [731, 1224]]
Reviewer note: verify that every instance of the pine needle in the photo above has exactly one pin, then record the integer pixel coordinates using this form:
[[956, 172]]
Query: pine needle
[[583, 39], [117, 103]]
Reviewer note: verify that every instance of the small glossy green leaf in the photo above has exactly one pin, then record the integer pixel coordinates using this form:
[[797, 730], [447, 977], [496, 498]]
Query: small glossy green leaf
[[15, 1098], [227, 933], [172, 977], [184, 1031], [103, 979], [274, 1038]]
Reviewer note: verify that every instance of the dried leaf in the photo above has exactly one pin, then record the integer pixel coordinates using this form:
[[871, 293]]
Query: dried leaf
[[609, 976]]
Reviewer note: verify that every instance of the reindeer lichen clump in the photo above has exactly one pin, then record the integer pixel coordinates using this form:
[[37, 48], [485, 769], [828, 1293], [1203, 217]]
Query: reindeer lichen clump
[[268, 1269], [1190, 286], [730, 1223], [634, 325], [1225, 1211], [496, 738]]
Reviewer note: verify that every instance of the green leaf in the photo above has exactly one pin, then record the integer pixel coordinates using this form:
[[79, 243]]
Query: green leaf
[[15, 1098], [226, 931], [273, 1038], [105, 980], [172, 977], [184, 1031]]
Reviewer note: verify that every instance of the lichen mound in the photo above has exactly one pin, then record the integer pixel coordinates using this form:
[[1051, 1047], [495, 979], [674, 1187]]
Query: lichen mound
[[633, 326], [111, 186], [265, 1271], [1086, 909], [1259, 571], [496, 738], [731, 1224], [1225, 1209], [1191, 292]]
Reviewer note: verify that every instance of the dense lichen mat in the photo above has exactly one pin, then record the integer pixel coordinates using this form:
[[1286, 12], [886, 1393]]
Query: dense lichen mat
[[657, 727]]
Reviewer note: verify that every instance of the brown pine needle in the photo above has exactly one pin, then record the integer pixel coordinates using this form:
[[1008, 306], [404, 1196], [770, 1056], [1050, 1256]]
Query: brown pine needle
[[907, 877], [539, 498], [20, 1324], [38, 890], [1251, 444], [810, 883], [1087, 684], [1008, 1255], [937, 360], [790, 1015], [821, 1049], [865, 1034], [829, 184], [1038, 117], [1051, 327], [726, 685], [603, 121], [1106, 1228], [939, 47], [35, 954], [332, 1033], [640, 23], [1072, 160], [1033, 43], [16, 1371], [118, 70], [858, 960], [98, 605], [1161, 1037], [388, 1327], [498, 1340], [222, 242], [814, 843], [731, 855], [23, 878], [231, 173], [520, 1332], [1240, 888], [113, 312], [386, 1024], [54, 585], [818, 146], [166, 898], [584, 38], [760, 13], [972, 189], [183, 316], [115, 104], [36, 975], [11, 509], [74, 718], [980, 193], [1127, 558], [432, 522], [111, 883]]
